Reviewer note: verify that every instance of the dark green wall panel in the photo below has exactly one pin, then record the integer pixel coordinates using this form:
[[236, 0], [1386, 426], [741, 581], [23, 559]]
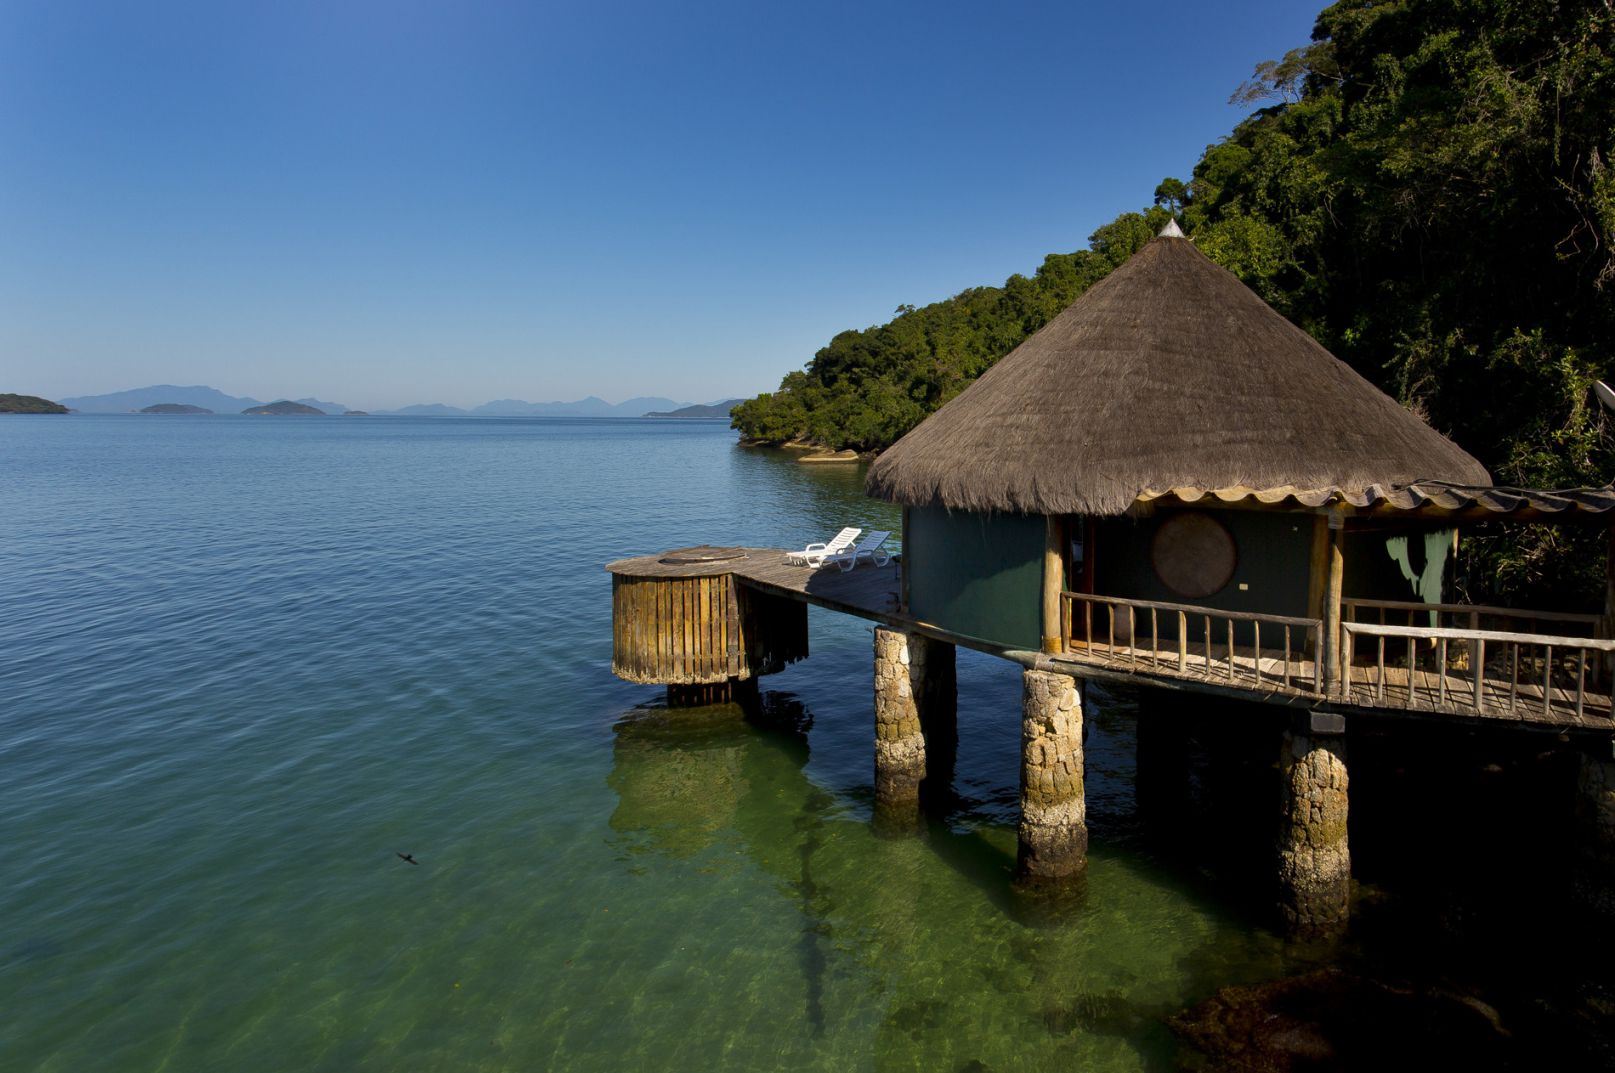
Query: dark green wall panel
[[980, 575]]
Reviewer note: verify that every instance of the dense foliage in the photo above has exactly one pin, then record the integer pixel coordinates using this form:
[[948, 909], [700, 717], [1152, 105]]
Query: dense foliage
[[29, 404], [1429, 190]]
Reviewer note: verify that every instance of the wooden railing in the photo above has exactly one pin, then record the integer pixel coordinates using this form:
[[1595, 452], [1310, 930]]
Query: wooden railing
[[1472, 617], [1560, 679], [1477, 672], [1089, 624]]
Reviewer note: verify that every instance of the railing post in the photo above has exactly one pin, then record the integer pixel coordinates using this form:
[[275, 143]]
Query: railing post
[[1581, 681], [1345, 677], [1547, 682], [1379, 683], [1330, 642], [1441, 671], [1256, 645]]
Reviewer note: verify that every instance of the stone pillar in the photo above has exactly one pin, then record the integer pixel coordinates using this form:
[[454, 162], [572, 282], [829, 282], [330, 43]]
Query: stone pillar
[[1053, 833], [1314, 857], [1595, 834], [915, 700]]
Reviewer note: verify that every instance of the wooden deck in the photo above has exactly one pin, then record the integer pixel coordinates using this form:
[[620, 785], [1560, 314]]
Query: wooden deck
[[866, 592], [1503, 699], [1287, 676]]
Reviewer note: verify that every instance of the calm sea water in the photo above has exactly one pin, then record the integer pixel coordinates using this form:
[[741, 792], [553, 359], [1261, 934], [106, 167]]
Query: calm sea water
[[243, 663]]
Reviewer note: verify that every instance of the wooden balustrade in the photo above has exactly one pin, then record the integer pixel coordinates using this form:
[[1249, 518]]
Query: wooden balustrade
[[1089, 625], [1465, 616], [1544, 678], [1476, 672]]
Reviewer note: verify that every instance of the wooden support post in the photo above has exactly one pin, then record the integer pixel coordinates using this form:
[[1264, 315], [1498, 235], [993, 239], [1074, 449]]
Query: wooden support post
[[1314, 855], [1332, 653], [1053, 583], [1594, 874], [1606, 628], [1318, 566], [1053, 832]]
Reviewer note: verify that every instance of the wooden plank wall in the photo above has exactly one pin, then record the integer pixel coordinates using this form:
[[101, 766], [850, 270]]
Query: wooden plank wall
[[698, 630]]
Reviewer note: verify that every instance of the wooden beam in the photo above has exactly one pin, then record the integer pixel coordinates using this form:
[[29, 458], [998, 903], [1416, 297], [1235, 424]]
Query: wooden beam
[[1053, 583], [1318, 567], [1606, 626], [1331, 606]]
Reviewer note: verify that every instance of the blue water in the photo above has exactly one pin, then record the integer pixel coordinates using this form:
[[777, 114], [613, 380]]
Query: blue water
[[244, 663]]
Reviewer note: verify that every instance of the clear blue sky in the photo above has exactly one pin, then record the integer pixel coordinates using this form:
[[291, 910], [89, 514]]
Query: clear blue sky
[[392, 202]]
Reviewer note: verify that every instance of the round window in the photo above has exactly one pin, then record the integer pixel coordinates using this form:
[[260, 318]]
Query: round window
[[1193, 554]]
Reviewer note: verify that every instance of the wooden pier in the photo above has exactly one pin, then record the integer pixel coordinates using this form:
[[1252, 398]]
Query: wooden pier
[[704, 615], [708, 622]]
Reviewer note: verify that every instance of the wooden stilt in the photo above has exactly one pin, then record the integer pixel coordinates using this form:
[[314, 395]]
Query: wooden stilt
[[1053, 583]]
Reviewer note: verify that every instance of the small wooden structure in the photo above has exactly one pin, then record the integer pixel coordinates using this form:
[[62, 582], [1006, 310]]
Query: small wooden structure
[[680, 620]]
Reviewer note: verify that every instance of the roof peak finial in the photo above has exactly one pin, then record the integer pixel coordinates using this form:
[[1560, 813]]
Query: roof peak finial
[[1172, 230]]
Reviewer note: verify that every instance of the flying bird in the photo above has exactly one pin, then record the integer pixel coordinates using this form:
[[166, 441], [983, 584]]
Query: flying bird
[[410, 857]]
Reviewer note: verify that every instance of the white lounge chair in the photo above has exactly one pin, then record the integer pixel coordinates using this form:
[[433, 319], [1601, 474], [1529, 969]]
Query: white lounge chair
[[814, 554], [869, 547]]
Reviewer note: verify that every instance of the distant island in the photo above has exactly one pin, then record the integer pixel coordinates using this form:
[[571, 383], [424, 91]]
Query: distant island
[[355, 413], [29, 404], [715, 409], [285, 408], [174, 408]]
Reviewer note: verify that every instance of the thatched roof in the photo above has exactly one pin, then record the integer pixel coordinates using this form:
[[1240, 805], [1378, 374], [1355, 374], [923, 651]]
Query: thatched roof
[[1168, 374]]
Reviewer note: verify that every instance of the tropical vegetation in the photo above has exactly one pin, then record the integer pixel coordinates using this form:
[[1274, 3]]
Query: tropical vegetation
[[1428, 188]]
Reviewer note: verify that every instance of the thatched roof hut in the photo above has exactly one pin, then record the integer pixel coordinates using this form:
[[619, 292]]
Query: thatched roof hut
[[1169, 374]]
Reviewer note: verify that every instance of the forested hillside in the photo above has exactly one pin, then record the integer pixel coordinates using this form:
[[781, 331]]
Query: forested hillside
[[1429, 190]]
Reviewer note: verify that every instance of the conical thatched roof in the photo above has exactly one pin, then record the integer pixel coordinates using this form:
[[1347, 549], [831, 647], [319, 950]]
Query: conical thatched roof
[[1168, 374]]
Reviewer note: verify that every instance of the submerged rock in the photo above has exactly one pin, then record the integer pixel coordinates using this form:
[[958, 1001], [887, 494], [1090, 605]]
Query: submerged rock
[[1334, 1020]]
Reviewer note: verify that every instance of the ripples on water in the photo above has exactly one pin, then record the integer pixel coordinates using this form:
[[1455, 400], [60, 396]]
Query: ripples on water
[[244, 662]]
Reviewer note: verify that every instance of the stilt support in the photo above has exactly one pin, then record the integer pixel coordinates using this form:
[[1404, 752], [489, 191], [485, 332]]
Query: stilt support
[[1595, 815], [1053, 833], [742, 691], [1314, 856], [915, 724]]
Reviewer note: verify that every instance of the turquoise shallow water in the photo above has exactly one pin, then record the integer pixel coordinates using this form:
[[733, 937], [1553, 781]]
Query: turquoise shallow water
[[244, 662]]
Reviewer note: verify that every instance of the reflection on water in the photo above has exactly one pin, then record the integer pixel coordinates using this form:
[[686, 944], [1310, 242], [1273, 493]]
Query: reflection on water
[[926, 943], [925, 935]]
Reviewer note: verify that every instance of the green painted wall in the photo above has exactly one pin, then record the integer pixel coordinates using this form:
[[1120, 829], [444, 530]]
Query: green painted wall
[[980, 575], [1274, 560], [1274, 556]]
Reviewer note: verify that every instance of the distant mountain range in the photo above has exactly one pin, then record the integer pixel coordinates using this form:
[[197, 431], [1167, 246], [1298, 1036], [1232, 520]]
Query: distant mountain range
[[208, 398], [589, 407]]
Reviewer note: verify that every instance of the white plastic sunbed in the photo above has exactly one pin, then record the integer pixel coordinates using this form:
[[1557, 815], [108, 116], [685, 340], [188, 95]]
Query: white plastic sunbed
[[814, 554], [869, 547]]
